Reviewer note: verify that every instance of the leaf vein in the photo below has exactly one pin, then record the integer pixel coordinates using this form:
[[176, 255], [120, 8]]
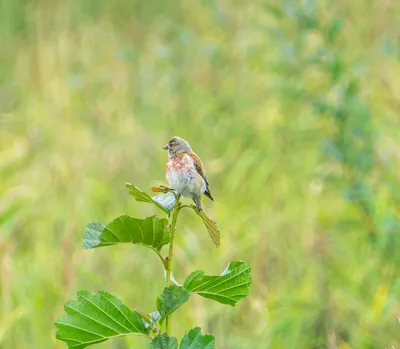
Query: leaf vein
[[119, 240], [102, 309], [134, 326], [231, 288], [80, 329], [87, 316], [126, 228], [223, 280]]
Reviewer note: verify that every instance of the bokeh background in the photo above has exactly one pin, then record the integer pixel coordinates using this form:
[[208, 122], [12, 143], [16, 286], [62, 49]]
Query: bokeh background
[[293, 107]]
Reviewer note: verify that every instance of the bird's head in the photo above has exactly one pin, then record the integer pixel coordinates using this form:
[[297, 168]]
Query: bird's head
[[177, 145]]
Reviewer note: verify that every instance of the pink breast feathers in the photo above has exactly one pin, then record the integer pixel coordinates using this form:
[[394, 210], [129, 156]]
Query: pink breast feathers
[[178, 164]]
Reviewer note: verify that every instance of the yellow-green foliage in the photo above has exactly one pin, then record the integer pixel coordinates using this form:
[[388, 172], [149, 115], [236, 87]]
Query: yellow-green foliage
[[270, 95]]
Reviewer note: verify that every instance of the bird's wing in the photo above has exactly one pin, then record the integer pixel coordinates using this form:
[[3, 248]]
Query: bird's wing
[[198, 165]]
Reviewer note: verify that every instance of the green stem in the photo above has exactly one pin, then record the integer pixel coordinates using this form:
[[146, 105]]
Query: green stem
[[172, 228], [148, 320]]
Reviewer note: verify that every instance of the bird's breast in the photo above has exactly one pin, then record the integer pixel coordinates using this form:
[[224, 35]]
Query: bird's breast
[[180, 175]]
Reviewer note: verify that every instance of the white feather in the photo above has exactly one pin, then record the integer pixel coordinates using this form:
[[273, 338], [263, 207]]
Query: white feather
[[186, 182]]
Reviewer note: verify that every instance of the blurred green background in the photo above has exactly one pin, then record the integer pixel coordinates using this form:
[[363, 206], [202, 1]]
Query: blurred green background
[[293, 107]]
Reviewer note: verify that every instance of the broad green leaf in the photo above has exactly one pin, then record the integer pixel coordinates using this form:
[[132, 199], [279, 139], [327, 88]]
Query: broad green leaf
[[171, 299], [166, 201], [191, 340], [163, 341], [195, 340], [95, 317], [151, 232], [228, 288]]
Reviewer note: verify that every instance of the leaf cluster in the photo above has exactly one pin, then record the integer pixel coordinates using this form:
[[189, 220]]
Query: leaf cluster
[[92, 318]]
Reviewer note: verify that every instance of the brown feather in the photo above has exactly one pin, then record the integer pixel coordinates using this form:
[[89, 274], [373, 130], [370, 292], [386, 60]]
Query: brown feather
[[199, 168]]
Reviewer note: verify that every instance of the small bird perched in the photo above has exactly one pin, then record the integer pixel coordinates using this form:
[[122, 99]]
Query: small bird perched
[[184, 171]]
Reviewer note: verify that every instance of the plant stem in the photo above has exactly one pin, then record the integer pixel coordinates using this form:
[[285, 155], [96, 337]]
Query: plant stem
[[172, 228], [148, 320]]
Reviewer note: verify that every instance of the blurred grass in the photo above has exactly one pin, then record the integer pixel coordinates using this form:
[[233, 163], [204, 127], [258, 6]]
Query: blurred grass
[[270, 96]]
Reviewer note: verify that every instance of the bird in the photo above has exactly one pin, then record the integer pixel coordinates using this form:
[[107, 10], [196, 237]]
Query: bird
[[185, 173]]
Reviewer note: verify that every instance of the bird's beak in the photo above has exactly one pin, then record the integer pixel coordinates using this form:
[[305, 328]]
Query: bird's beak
[[165, 147]]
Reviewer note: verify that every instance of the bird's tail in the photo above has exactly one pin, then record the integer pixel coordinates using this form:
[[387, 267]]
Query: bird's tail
[[208, 194]]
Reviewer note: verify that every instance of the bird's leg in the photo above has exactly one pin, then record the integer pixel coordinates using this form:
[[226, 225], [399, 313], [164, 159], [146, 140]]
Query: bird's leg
[[197, 201], [177, 198]]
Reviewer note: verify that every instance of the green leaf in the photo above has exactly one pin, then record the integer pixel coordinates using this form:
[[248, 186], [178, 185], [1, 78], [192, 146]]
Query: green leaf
[[95, 317], [150, 232], [171, 299], [191, 340], [228, 288], [91, 238], [163, 341], [195, 340], [166, 201]]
